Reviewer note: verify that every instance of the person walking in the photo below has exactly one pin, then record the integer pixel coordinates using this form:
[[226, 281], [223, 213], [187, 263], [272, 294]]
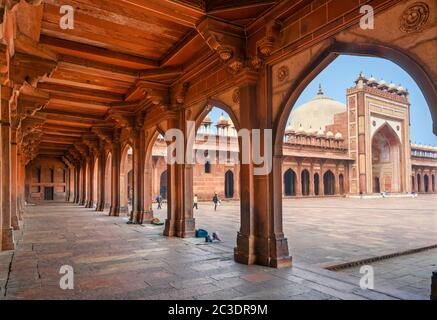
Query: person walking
[[195, 202], [159, 201], [216, 201]]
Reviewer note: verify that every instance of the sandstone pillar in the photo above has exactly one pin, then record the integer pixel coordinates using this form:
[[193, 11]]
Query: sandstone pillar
[[82, 197], [101, 173], [14, 180], [299, 180], [139, 214], [312, 192], [90, 183], [180, 221], [336, 181], [260, 239], [115, 177], [7, 241]]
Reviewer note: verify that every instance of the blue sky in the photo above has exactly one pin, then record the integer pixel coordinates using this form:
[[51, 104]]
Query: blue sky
[[342, 73]]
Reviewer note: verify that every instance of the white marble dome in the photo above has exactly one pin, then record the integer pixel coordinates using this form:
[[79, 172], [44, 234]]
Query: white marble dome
[[338, 136], [316, 113], [329, 134]]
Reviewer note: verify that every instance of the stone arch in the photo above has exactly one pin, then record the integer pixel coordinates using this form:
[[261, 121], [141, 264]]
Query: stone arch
[[329, 183], [341, 183], [151, 178], [386, 160], [412, 66], [229, 184], [290, 179], [426, 183], [316, 184], [433, 183], [305, 182], [207, 107], [419, 182]]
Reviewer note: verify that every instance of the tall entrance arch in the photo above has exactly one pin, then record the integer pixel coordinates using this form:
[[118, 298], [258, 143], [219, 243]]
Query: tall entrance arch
[[386, 160]]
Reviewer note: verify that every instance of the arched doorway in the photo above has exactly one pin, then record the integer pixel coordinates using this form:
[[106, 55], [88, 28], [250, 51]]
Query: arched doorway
[[419, 183], [433, 183], [386, 160], [377, 185], [412, 184], [426, 182], [316, 184], [163, 185], [290, 182], [341, 183], [229, 184], [305, 176], [329, 183]]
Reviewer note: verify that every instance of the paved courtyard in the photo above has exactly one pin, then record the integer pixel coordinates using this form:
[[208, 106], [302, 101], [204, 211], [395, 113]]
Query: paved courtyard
[[113, 260]]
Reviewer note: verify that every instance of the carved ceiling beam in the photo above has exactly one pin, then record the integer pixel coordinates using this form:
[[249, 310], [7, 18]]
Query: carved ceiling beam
[[149, 91], [105, 134], [226, 40]]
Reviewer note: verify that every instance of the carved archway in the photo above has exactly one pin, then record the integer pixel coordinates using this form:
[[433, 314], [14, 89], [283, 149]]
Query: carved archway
[[386, 160]]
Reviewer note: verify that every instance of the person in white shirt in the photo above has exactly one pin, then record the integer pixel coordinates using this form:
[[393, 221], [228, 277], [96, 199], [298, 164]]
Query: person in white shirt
[[195, 202]]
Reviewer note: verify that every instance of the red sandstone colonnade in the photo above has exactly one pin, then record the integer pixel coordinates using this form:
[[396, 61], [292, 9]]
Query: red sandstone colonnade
[[258, 70]]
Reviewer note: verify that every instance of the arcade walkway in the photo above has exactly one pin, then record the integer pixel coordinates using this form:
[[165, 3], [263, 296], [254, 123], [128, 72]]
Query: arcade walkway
[[113, 260]]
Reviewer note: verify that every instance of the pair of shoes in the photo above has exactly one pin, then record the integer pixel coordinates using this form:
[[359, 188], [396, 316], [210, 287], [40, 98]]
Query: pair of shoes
[[215, 236], [208, 238]]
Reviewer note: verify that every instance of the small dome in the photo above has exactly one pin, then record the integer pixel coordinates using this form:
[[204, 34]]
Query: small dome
[[401, 89], [300, 130], [207, 120], [329, 134], [320, 133], [382, 84], [309, 131], [361, 76], [392, 87], [338, 136], [372, 81], [222, 121]]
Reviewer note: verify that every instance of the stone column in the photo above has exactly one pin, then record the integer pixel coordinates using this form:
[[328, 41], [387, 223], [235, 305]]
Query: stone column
[[101, 174], [180, 221], [260, 239], [82, 197], [312, 192], [14, 180], [422, 183], [139, 214], [336, 180], [115, 177], [76, 183], [299, 179], [7, 242], [90, 191]]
